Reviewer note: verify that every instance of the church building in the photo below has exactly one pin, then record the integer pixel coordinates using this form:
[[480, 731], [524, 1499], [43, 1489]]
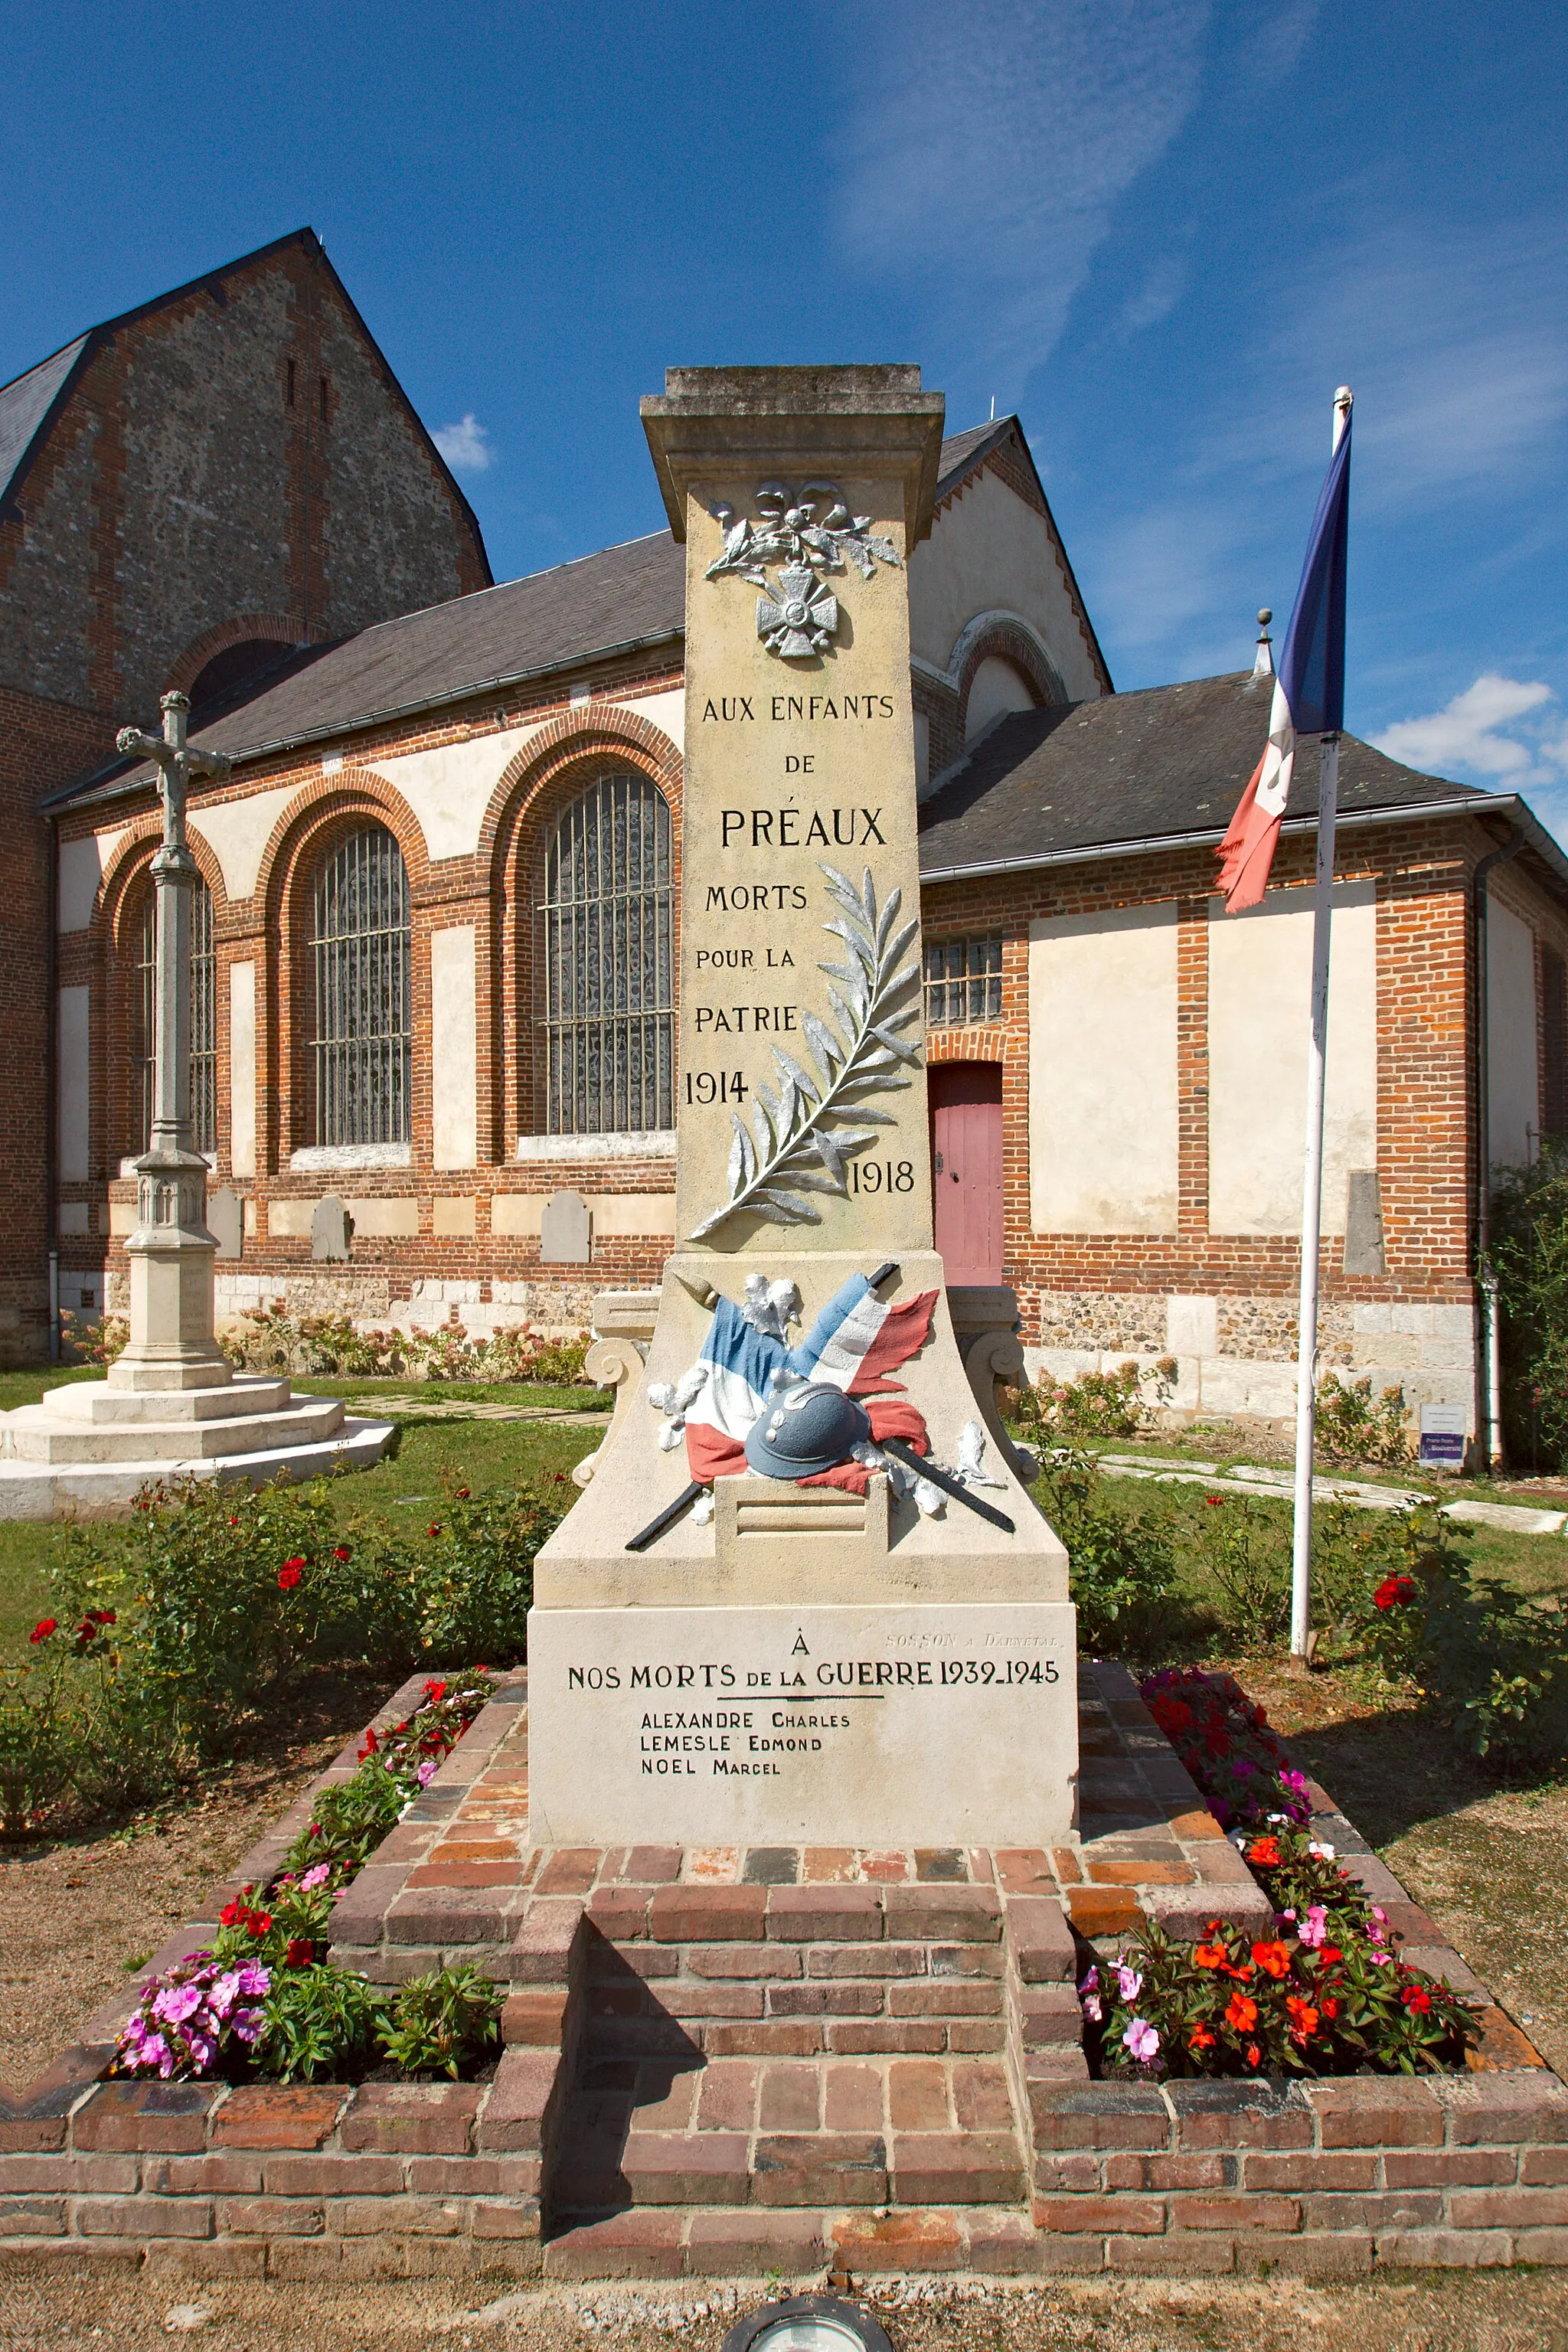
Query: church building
[[437, 942]]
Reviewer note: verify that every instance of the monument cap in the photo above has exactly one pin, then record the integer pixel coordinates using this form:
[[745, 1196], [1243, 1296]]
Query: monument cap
[[805, 1431]]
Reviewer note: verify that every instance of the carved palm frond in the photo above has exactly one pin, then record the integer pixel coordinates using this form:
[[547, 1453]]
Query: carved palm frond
[[788, 1151]]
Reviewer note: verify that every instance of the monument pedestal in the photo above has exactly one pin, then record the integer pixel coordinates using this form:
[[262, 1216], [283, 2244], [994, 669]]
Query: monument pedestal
[[810, 1667]]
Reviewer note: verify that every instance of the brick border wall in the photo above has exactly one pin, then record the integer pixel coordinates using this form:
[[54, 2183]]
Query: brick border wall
[[1336, 2176]]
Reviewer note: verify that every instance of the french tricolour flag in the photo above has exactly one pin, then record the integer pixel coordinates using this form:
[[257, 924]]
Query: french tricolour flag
[[1308, 692], [855, 1342]]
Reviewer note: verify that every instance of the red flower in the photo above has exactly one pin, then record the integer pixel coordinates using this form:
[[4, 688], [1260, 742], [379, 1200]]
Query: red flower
[[1395, 1592], [1329, 1953], [1210, 1956], [301, 1953], [340, 1551], [258, 1922], [1254, 2055], [1265, 1852], [1330, 2008], [1200, 2038], [231, 1915], [434, 1690], [1240, 2012], [43, 1629], [1304, 2015], [436, 1528], [1214, 1502], [462, 1493], [288, 1575], [1272, 1958], [371, 1743], [1416, 1997]]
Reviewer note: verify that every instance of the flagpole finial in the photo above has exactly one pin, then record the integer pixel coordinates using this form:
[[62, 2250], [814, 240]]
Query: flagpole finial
[[1344, 400]]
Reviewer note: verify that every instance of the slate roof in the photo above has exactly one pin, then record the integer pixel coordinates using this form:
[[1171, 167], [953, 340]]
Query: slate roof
[[1164, 764], [617, 601], [26, 403]]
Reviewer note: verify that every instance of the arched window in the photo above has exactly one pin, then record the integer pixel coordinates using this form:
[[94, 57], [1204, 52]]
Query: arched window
[[203, 1021], [606, 1016], [364, 1030]]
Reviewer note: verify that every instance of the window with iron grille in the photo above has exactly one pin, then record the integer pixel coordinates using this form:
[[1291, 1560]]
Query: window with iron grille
[[203, 1021], [606, 985], [963, 981], [363, 1033]]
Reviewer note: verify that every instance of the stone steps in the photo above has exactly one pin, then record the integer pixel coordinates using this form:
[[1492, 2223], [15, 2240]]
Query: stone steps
[[43, 1490], [35, 1433], [786, 2133], [99, 1401]]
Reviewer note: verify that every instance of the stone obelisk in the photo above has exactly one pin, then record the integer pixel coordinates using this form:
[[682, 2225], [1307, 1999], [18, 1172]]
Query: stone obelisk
[[799, 1664]]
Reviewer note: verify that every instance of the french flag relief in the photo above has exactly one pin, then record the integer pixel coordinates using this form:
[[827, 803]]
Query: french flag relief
[[855, 1342], [1308, 692]]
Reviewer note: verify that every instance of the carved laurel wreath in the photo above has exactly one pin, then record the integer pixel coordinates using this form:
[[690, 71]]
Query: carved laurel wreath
[[788, 1152]]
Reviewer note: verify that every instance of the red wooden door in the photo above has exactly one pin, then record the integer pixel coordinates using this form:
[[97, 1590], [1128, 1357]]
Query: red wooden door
[[966, 1168]]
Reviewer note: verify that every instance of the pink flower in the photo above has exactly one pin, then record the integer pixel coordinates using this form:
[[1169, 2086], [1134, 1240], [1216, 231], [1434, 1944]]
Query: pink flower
[[316, 1877], [1314, 1929], [1128, 1981], [1142, 2040], [427, 1771]]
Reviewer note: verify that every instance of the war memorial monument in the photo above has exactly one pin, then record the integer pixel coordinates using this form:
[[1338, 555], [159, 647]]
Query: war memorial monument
[[802, 1597]]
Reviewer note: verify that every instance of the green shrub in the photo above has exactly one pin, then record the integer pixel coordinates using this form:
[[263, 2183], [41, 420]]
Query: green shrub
[[268, 1339], [1530, 1256], [441, 2022], [1246, 1550], [1095, 1406], [1349, 1427], [1121, 1566], [318, 2023]]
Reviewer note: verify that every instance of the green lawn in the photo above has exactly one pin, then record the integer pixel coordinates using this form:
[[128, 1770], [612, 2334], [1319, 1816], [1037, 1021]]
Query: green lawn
[[403, 1489]]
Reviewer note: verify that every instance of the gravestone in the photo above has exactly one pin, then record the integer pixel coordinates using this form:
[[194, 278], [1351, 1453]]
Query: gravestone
[[226, 1220], [789, 1662], [566, 1229], [331, 1228], [1363, 1252]]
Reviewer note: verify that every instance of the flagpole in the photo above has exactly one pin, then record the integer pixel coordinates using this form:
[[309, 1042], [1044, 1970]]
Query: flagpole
[[1313, 1170]]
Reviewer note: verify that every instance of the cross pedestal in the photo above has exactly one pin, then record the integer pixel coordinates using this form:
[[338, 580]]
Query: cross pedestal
[[172, 1405]]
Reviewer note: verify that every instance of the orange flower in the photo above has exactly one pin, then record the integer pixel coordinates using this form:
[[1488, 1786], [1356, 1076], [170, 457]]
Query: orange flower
[[1200, 2038], [1273, 1958], [1254, 2055], [1240, 2012], [1210, 1956], [1303, 2016], [1265, 1852]]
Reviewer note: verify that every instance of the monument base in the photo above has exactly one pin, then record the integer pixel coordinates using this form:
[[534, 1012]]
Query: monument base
[[832, 1726]]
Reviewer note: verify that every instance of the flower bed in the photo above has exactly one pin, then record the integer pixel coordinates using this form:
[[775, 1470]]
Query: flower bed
[[1327, 1993], [263, 2000]]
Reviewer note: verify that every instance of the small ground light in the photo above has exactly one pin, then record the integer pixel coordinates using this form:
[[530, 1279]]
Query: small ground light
[[808, 2323]]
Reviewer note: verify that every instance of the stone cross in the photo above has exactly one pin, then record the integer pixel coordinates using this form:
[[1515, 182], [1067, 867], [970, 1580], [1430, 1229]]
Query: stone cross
[[175, 877], [171, 1252]]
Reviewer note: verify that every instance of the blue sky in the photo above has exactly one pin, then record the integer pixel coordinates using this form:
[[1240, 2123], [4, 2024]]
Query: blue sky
[[1163, 230]]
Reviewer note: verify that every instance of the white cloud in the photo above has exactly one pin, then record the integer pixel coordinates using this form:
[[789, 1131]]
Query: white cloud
[[1466, 734], [465, 446], [1164, 283], [995, 140]]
